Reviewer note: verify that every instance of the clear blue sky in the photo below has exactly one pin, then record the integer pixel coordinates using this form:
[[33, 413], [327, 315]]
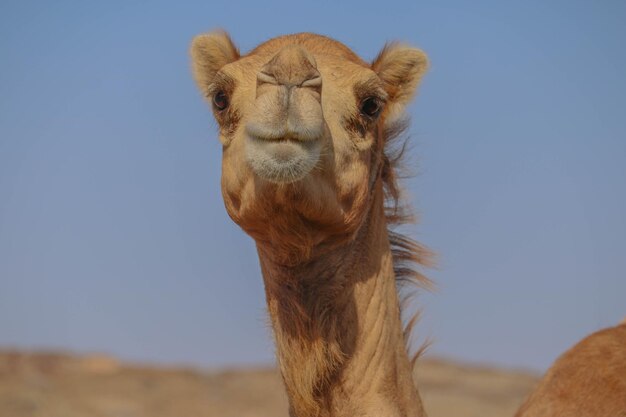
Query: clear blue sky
[[113, 236]]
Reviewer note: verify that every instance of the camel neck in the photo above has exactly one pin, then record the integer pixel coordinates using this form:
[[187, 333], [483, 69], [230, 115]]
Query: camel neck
[[338, 331]]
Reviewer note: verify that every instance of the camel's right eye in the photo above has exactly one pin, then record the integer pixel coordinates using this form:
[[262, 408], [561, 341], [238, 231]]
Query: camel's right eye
[[371, 107], [220, 100]]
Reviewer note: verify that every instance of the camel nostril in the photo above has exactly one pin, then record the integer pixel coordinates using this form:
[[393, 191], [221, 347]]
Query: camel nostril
[[313, 82], [266, 78]]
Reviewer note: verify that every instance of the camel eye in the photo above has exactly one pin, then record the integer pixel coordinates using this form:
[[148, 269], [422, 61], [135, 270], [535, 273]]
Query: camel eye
[[220, 100], [370, 107]]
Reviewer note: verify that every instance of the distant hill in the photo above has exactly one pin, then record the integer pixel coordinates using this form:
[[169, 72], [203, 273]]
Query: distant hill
[[63, 385]]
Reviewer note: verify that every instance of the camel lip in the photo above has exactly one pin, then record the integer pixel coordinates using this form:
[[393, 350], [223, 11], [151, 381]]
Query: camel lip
[[281, 139], [285, 142], [277, 148], [283, 131]]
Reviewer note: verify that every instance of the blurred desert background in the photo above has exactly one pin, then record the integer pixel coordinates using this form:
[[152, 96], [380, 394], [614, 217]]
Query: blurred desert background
[[63, 385]]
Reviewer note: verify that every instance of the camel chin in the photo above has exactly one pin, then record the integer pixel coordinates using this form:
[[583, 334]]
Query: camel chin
[[282, 161]]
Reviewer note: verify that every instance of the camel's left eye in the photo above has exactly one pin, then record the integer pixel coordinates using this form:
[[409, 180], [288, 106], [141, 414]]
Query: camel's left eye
[[370, 107], [220, 100]]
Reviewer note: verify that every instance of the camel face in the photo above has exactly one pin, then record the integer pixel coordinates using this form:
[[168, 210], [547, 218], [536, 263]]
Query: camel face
[[301, 121]]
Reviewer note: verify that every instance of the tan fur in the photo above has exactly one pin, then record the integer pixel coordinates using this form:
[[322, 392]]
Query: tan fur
[[401, 68], [210, 52], [589, 380], [312, 180]]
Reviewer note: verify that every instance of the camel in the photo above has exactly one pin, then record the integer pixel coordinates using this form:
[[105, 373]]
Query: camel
[[308, 171], [589, 380]]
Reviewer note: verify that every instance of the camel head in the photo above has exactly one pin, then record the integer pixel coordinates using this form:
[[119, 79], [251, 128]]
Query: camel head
[[303, 122]]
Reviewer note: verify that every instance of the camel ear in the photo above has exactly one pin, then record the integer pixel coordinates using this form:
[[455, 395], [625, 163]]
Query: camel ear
[[401, 69], [209, 53]]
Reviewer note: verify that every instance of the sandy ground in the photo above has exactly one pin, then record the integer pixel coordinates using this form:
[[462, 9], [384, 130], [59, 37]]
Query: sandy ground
[[59, 385]]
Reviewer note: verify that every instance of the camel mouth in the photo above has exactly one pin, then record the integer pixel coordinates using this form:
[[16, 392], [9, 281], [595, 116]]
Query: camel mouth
[[283, 160]]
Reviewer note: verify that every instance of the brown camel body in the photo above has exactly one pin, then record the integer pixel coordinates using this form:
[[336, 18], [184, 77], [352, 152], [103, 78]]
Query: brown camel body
[[305, 126], [589, 380]]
